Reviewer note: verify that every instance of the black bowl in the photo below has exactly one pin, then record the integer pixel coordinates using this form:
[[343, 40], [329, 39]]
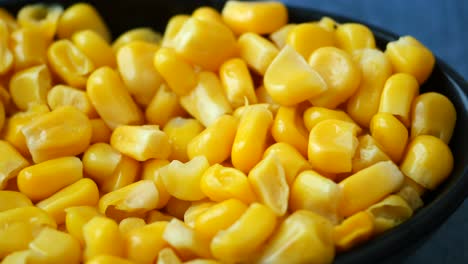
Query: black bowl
[[393, 245]]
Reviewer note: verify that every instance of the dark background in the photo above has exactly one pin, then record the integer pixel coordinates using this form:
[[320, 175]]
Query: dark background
[[442, 26]]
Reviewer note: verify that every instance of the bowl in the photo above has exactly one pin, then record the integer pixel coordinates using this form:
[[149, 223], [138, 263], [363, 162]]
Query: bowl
[[394, 244]]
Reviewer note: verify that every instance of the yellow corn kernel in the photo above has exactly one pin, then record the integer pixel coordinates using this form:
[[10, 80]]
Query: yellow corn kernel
[[100, 161], [163, 106], [61, 95], [332, 144], [168, 256], [237, 83], [433, 114], [288, 127], [207, 13], [111, 99], [257, 51], [205, 43], [139, 197], [294, 237], [182, 180], [291, 160], [43, 18], [221, 183], [408, 55], [398, 95], [15, 237], [29, 47], [245, 237], [33, 216], [250, 140], [305, 38], [290, 80], [69, 63], [311, 191], [411, 196], [279, 36], [17, 257], [11, 163], [82, 192], [177, 208], [328, 23], [368, 186], [129, 224], [102, 237], [428, 161], [124, 174], [44, 135], [101, 133], [137, 34], [29, 87], [368, 153], [185, 240], [354, 36], [107, 259], [141, 142], [375, 69], [151, 172], [95, 47], [52, 246], [268, 182], [219, 217], [206, 102], [202, 261], [143, 244], [7, 57], [171, 66], [314, 115], [173, 27], [12, 200], [135, 65], [44, 179], [257, 17], [195, 210], [156, 216], [9, 19], [340, 73], [354, 230], [391, 134], [76, 217], [181, 131], [79, 17], [264, 97], [389, 213], [215, 142]]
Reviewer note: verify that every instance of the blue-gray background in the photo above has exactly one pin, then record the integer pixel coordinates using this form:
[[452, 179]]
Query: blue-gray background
[[442, 26]]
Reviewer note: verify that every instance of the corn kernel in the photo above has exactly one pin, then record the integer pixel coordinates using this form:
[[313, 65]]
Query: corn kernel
[[314, 115], [279, 36], [42, 180], [76, 217], [11, 163], [389, 213], [69, 63], [144, 244], [151, 172], [137, 34], [375, 69], [206, 102], [368, 153], [29, 47], [411, 196], [163, 106], [391, 134], [168, 256], [82, 192], [257, 17], [40, 17], [354, 36], [9, 19], [305, 38], [98, 232], [12, 200], [237, 83], [33, 216], [101, 133], [81, 16], [7, 58], [207, 13], [100, 161], [177, 208], [195, 210], [368, 186], [95, 47], [428, 161], [52, 246], [106, 259], [398, 95], [202, 261], [264, 97], [328, 23], [156, 216], [340, 73], [311, 191], [44, 135], [290, 80], [173, 27], [185, 240], [296, 235], [61, 95], [182, 180], [205, 43], [17, 257], [29, 87], [288, 127], [354, 230], [181, 131], [257, 51], [408, 55], [111, 99], [129, 224], [433, 114], [243, 238]]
